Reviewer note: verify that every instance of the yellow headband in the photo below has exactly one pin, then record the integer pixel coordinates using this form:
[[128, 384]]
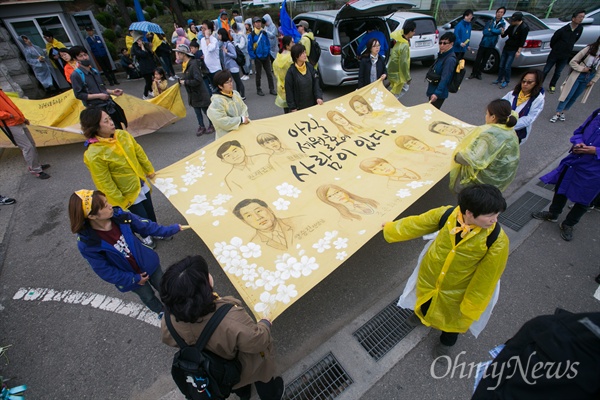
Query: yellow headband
[[86, 200]]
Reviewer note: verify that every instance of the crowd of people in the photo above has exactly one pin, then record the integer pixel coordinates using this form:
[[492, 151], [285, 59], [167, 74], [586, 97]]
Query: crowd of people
[[452, 289]]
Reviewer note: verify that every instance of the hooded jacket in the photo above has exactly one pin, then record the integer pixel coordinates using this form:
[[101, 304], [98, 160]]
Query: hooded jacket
[[399, 64], [195, 87], [444, 65], [492, 155], [491, 33], [459, 279], [109, 263], [282, 63], [117, 165], [181, 37], [262, 49], [273, 34], [463, 35], [226, 112]]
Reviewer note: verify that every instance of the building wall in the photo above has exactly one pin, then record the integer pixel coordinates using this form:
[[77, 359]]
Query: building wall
[[15, 74]]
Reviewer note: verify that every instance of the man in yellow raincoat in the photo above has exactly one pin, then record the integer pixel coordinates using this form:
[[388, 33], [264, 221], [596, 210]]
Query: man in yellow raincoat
[[461, 267]]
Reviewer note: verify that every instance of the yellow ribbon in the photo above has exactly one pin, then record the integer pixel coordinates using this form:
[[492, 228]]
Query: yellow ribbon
[[464, 229], [86, 200]]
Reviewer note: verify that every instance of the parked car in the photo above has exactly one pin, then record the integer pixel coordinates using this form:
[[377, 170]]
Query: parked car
[[338, 33], [424, 44], [591, 28], [534, 53]]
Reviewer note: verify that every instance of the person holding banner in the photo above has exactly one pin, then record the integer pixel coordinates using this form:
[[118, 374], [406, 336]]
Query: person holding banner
[[106, 239], [227, 110], [302, 88], [14, 125], [455, 284], [491, 152], [118, 165], [190, 302]]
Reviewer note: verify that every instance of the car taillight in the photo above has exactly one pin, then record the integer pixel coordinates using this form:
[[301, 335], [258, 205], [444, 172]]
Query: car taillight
[[335, 50], [532, 44], [437, 35]]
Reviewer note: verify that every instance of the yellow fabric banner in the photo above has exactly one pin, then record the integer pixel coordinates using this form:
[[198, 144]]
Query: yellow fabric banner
[[283, 201], [55, 121]]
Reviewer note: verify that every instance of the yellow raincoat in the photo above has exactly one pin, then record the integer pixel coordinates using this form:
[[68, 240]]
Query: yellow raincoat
[[459, 279], [117, 164], [282, 63], [491, 154], [305, 40], [225, 112], [399, 64]]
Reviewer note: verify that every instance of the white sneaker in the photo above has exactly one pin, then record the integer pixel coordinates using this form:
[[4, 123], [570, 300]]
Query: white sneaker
[[151, 94], [145, 97], [245, 78], [251, 72], [148, 242], [176, 76], [171, 78]]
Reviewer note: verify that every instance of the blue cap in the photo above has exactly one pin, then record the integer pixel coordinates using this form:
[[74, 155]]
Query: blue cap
[[190, 21]]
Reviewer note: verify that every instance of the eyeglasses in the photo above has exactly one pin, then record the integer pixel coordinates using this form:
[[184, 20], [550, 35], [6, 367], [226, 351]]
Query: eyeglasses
[[528, 82], [444, 43]]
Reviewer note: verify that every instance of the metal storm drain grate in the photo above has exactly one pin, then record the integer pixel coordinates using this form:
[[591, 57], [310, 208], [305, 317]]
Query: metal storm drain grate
[[519, 213], [548, 186], [324, 380], [385, 330]]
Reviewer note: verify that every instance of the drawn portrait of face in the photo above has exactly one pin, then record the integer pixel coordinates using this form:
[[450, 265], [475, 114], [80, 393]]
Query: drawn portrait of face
[[412, 143], [446, 129], [339, 120], [344, 125], [360, 105], [232, 153], [336, 195], [349, 205], [269, 142], [256, 214]]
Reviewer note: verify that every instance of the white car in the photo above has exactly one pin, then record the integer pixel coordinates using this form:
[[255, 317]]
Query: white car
[[424, 44]]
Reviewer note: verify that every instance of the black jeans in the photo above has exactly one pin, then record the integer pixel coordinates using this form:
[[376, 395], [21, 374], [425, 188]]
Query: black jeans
[[272, 390], [560, 200], [446, 338], [438, 103], [239, 85], [259, 64], [104, 63], [483, 53], [148, 86], [558, 63]]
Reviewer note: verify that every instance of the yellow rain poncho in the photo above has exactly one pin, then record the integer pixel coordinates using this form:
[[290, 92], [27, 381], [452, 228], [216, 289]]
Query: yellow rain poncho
[[117, 165], [399, 64], [490, 154], [458, 279], [282, 63], [225, 112]]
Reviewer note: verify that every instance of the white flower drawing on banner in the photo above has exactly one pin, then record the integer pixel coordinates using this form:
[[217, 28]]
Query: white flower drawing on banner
[[285, 293], [199, 206], [193, 172], [428, 112], [221, 199], [340, 243], [402, 193], [399, 118], [218, 212], [166, 186], [281, 204], [461, 124], [418, 184], [267, 301], [449, 144], [324, 243], [285, 189], [341, 255], [251, 250], [341, 108]]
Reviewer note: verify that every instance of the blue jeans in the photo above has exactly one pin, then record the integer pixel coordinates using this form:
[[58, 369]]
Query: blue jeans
[[198, 111], [558, 64], [506, 61], [146, 293], [578, 87]]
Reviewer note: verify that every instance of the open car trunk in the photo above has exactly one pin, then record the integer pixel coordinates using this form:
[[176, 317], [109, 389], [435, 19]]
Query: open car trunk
[[351, 33]]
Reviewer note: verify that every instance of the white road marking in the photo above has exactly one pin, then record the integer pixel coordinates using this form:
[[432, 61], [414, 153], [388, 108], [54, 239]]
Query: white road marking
[[95, 300], [597, 294]]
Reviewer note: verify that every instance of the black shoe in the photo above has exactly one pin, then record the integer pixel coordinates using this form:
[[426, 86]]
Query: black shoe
[[566, 232], [478, 77], [472, 76], [597, 279], [45, 166], [41, 175], [273, 92], [544, 216], [260, 92], [117, 83]]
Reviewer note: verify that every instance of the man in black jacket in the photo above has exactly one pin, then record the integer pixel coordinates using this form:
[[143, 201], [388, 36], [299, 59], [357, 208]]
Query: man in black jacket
[[562, 43], [517, 34]]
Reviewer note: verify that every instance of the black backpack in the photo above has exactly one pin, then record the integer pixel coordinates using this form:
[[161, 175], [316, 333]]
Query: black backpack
[[315, 52], [491, 237], [240, 57], [199, 373], [457, 77]]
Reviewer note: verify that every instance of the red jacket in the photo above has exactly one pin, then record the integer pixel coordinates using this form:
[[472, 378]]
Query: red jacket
[[9, 113]]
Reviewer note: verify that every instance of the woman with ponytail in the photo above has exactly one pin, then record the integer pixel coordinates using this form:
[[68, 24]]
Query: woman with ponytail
[[490, 154]]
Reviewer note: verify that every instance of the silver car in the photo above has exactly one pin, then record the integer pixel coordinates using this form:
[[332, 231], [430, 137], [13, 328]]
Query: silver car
[[424, 44], [534, 53], [339, 32], [591, 28]]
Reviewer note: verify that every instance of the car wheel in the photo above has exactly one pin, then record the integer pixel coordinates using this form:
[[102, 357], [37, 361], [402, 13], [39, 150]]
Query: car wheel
[[427, 63], [492, 63]]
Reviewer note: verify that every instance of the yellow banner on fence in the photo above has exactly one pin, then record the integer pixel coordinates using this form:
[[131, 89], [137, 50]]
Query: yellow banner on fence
[[283, 201], [55, 121]]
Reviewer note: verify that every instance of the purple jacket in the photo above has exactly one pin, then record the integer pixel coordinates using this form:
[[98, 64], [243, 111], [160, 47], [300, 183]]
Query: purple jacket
[[581, 180]]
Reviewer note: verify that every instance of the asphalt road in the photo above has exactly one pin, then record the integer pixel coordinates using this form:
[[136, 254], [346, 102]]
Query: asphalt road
[[71, 350]]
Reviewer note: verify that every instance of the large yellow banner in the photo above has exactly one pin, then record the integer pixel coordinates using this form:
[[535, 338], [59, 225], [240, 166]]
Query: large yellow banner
[[283, 201], [55, 121]]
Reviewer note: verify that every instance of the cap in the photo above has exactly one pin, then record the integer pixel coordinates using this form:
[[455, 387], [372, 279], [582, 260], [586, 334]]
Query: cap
[[518, 16], [185, 49], [89, 28], [255, 19], [303, 24], [190, 21], [223, 12]]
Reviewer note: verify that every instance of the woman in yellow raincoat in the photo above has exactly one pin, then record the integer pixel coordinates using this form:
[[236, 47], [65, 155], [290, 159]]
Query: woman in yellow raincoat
[[490, 154], [282, 63], [461, 267], [118, 165]]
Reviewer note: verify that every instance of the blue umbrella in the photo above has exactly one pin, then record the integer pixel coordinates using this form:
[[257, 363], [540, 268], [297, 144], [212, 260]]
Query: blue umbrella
[[146, 26]]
